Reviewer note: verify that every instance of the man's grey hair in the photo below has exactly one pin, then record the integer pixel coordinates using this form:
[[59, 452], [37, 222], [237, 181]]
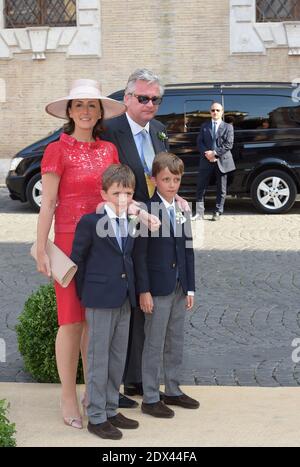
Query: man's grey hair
[[142, 74]]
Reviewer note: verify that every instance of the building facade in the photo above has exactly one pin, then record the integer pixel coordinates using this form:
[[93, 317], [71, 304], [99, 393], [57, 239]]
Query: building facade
[[45, 45]]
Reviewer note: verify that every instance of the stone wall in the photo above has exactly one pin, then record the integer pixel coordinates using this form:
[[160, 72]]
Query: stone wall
[[182, 40]]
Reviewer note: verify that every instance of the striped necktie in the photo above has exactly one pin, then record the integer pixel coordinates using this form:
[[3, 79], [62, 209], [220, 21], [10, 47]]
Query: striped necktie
[[172, 216], [147, 152], [121, 232], [214, 135]]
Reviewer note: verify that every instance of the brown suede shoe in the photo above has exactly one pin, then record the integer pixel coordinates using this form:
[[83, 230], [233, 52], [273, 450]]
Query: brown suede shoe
[[158, 409], [183, 401], [123, 422], [105, 430]]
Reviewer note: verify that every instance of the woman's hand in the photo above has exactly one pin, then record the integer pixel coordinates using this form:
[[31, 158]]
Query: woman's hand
[[146, 302], [151, 221], [182, 204], [43, 264]]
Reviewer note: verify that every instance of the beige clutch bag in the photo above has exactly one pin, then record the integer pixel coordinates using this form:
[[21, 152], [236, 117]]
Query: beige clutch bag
[[62, 267]]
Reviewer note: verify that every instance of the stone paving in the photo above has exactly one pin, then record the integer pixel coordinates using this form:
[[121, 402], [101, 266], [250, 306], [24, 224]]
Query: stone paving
[[247, 310]]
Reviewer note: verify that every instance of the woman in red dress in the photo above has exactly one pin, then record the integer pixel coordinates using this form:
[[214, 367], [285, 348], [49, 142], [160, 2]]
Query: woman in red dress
[[71, 176]]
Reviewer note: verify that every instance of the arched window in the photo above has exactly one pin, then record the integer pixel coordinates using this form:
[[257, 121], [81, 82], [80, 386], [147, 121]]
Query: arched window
[[277, 10], [26, 13]]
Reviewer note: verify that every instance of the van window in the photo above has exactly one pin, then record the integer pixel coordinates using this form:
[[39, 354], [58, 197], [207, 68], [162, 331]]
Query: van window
[[171, 113], [251, 112], [197, 112], [183, 114]]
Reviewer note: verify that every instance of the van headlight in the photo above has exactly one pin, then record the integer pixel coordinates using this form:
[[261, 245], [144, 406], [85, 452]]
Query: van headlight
[[15, 162]]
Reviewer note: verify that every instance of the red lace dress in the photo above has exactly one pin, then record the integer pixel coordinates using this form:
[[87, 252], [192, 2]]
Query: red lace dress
[[80, 167]]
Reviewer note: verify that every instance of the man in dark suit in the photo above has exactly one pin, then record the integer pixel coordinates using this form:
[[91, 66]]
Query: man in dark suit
[[214, 142], [138, 137]]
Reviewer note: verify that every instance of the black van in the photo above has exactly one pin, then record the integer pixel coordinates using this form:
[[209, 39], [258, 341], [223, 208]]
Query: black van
[[266, 120]]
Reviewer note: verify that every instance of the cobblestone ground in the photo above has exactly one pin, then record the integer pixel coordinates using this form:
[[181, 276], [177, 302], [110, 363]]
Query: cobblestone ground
[[247, 310]]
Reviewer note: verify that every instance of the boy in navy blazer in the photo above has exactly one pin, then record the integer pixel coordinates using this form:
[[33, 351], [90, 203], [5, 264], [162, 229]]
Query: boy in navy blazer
[[102, 250], [165, 282]]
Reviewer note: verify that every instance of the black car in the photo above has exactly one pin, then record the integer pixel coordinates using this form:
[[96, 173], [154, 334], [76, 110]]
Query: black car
[[266, 120]]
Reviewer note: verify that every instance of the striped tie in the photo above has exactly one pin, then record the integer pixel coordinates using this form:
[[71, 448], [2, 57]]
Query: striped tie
[[121, 232], [214, 135]]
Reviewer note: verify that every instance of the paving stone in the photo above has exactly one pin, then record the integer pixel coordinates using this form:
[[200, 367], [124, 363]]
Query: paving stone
[[246, 312]]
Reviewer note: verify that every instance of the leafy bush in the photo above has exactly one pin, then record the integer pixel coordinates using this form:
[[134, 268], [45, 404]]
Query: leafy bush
[[7, 429], [36, 336]]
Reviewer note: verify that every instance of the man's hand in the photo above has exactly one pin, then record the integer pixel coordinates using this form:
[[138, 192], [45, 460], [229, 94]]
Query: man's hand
[[134, 208], [210, 156], [146, 302], [151, 221], [182, 204], [189, 302]]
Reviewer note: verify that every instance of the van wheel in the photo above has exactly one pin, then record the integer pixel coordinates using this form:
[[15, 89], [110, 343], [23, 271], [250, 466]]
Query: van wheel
[[273, 192], [34, 192]]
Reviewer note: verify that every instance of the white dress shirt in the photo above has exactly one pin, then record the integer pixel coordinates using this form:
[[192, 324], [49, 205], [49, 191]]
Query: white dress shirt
[[112, 215], [136, 132], [219, 121]]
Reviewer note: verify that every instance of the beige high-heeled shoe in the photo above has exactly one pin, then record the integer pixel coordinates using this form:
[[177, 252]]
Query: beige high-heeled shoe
[[74, 422]]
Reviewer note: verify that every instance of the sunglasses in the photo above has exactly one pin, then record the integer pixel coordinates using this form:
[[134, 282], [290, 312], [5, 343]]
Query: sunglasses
[[145, 99], [215, 110]]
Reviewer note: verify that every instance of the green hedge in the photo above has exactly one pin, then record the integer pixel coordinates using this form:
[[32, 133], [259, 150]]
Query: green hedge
[[7, 429], [36, 333]]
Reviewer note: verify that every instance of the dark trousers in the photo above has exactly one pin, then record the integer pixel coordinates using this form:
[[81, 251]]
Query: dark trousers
[[202, 184], [133, 367]]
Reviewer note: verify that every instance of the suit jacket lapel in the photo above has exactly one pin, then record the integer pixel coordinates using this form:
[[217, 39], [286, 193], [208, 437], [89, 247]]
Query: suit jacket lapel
[[221, 127], [110, 233], [158, 145], [166, 224]]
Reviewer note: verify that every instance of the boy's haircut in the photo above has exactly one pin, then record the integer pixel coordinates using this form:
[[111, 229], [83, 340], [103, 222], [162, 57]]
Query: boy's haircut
[[120, 174], [168, 160]]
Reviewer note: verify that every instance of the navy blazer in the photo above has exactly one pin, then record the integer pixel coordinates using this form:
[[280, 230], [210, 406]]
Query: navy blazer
[[224, 144], [158, 257], [105, 274], [118, 132]]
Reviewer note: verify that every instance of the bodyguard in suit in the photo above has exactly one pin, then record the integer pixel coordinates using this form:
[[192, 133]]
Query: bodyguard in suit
[[165, 282], [105, 284], [138, 137], [214, 142]]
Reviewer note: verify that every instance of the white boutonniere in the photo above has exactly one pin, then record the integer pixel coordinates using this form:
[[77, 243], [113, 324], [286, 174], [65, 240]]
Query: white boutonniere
[[162, 136], [133, 220], [180, 219]]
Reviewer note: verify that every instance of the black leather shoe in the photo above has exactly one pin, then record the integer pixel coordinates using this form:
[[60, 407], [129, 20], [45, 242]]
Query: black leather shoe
[[158, 409], [120, 421], [133, 389], [105, 430], [216, 216], [126, 403], [136, 389], [183, 400]]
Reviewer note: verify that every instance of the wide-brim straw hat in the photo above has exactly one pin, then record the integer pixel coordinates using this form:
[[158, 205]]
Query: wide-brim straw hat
[[85, 89]]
